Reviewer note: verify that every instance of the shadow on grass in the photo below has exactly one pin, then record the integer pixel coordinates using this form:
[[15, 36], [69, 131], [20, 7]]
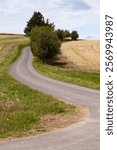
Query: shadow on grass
[[56, 61]]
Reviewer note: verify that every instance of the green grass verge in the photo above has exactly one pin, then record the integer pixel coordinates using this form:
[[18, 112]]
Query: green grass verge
[[86, 79], [21, 107]]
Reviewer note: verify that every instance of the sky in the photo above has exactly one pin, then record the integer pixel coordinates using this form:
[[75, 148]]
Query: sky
[[80, 15]]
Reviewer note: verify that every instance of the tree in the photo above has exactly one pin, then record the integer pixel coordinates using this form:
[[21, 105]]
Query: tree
[[44, 42], [60, 34], [66, 34], [37, 19], [74, 35]]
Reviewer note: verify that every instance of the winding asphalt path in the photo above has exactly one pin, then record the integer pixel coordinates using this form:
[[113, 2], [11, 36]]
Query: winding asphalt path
[[79, 136]]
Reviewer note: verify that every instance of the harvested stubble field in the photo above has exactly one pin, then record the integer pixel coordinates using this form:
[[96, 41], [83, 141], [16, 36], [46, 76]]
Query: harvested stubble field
[[10, 36], [9, 43], [84, 54]]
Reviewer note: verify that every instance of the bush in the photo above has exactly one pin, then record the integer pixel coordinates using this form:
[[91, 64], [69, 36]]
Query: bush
[[74, 35], [60, 34], [44, 42], [63, 34]]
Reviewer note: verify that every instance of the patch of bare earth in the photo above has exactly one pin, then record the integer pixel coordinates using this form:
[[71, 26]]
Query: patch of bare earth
[[52, 122], [58, 121]]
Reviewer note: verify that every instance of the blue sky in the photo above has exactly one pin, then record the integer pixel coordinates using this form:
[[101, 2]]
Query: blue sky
[[80, 15]]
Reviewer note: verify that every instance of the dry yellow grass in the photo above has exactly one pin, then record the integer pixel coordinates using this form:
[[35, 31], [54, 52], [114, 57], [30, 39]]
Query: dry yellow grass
[[6, 37], [8, 43], [85, 54]]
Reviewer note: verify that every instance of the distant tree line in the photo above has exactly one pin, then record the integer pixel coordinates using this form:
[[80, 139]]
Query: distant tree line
[[45, 40], [66, 35]]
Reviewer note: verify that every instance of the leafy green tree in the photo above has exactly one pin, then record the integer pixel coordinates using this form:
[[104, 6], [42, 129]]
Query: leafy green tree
[[74, 35], [37, 19], [60, 34], [44, 42], [67, 34]]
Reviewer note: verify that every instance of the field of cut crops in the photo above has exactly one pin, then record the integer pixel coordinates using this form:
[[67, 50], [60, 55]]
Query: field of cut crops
[[8, 43], [85, 54]]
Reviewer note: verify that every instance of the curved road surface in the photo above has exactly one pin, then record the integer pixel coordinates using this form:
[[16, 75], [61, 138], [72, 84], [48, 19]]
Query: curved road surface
[[79, 136]]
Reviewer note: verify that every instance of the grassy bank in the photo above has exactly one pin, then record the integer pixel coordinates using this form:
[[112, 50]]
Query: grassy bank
[[22, 108], [86, 79]]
